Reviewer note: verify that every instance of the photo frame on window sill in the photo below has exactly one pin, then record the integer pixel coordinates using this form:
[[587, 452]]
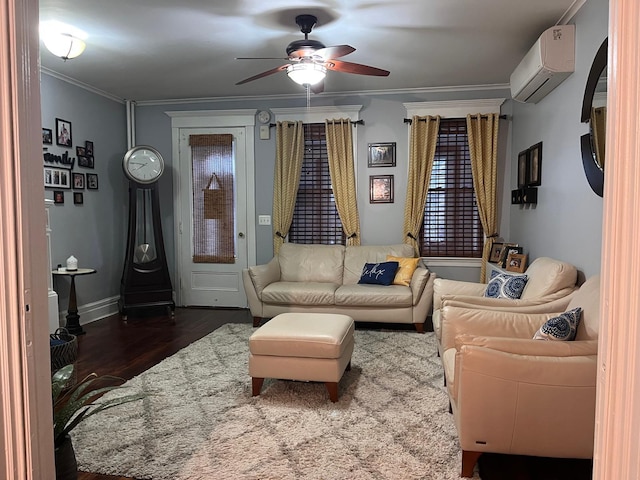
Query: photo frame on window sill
[[496, 248], [516, 262], [382, 155], [381, 189]]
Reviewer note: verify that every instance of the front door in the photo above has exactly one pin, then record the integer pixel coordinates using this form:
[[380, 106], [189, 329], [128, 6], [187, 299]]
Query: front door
[[213, 223]]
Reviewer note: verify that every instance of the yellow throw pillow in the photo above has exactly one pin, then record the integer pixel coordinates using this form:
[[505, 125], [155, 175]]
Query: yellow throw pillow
[[406, 267]]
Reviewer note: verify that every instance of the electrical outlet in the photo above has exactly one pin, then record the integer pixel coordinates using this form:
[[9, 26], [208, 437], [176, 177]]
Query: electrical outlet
[[264, 219]]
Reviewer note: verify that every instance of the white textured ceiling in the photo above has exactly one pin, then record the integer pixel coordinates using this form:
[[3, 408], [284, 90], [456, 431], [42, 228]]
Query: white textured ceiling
[[181, 49]]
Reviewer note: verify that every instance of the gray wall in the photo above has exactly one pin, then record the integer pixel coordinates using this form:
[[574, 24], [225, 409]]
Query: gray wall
[[567, 221], [383, 116], [95, 231]]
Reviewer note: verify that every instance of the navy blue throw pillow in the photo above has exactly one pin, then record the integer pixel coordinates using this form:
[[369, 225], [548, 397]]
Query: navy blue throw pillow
[[381, 273]]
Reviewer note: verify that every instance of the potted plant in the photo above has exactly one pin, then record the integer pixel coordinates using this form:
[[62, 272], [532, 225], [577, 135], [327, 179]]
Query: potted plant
[[72, 406]]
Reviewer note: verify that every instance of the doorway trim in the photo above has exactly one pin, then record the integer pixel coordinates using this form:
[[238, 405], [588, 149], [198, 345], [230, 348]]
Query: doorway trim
[[241, 118]]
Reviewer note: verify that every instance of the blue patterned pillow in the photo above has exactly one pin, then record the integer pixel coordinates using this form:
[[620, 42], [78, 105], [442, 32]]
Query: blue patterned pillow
[[506, 286], [561, 328], [381, 273]]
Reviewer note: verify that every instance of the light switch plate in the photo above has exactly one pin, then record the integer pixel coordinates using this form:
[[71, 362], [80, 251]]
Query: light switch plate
[[264, 219]]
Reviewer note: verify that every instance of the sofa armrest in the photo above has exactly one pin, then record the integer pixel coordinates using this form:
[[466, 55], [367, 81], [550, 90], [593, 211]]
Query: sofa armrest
[[456, 321], [263, 275], [443, 287], [525, 346], [418, 282], [549, 303]]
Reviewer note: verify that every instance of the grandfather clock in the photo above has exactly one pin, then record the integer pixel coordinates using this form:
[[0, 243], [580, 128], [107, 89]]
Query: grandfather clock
[[145, 282]]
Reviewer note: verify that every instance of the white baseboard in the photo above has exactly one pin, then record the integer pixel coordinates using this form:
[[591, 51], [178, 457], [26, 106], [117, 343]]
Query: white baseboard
[[92, 312]]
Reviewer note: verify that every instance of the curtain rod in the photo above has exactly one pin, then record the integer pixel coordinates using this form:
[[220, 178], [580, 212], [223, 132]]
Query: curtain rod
[[356, 122], [410, 121]]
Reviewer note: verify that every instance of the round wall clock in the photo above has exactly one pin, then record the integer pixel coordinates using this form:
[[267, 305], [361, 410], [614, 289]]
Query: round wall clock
[[264, 116], [143, 164]]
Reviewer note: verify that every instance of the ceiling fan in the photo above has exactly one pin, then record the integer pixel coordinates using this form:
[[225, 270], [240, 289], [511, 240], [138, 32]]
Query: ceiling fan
[[310, 60]]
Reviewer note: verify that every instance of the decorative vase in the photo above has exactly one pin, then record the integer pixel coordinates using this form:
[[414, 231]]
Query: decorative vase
[[66, 465]]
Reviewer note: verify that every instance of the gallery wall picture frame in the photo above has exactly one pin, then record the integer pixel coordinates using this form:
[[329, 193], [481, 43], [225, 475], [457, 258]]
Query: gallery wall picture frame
[[78, 181], [381, 189], [57, 177], [63, 133], [47, 136], [86, 161], [382, 154], [78, 198], [80, 151], [88, 146], [534, 169], [516, 262], [92, 181], [58, 197], [523, 165]]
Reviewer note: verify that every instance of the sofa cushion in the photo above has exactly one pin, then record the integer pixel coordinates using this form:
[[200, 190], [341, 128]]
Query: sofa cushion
[[505, 286], [381, 273], [311, 263], [393, 296], [300, 293], [547, 276], [560, 328], [406, 267], [357, 255]]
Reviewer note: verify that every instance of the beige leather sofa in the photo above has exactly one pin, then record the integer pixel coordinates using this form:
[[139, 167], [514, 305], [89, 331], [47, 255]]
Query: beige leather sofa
[[324, 279], [548, 280], [515, 395]]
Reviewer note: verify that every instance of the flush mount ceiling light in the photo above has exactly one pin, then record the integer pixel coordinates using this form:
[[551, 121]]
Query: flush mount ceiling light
[[306, 73], [61, 40]]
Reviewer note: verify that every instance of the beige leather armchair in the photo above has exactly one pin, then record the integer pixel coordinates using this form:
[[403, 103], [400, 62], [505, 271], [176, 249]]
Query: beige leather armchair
[[515, 395], [549, 280]]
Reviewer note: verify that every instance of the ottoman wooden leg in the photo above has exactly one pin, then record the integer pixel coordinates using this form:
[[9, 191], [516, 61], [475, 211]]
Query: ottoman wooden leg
[[332, 388], [256, 386]]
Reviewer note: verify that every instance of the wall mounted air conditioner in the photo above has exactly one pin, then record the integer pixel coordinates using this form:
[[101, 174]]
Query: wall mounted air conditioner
[[549, 62]]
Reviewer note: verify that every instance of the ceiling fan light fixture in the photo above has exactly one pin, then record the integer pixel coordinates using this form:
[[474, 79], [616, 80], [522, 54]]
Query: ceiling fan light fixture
[[307, 73], [64, 45]]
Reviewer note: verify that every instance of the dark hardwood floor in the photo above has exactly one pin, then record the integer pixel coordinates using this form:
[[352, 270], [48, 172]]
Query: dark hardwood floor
[[113, 347]]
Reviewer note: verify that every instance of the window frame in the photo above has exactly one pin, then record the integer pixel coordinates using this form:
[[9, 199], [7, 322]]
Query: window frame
[[452, 109]]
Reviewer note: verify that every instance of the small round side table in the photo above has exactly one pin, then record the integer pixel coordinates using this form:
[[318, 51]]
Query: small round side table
[[73, 319]]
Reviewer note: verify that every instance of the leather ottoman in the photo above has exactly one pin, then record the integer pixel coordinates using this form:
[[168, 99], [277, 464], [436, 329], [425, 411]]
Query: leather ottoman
[[313, 347]]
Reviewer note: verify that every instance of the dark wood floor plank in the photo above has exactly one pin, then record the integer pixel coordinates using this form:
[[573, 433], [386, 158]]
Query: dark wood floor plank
[[112, 347]]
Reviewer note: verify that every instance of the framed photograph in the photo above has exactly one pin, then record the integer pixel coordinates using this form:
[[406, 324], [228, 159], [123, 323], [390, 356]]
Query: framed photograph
[[78, 181], [534, 170], [63, 133], [85, 161], [496, 248], [92, 181], [58, 197], [508, 249], [516, 262], [47, 136], [80, 151], [78, 198], [57, 177], [381, 189], [88, 146], [523, 165], [382, 155]]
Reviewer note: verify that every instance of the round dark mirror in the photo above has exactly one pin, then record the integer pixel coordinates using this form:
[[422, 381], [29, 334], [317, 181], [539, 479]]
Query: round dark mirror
[[594, 111]]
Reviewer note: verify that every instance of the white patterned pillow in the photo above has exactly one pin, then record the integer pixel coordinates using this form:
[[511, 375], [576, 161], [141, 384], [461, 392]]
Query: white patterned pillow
[[506, 286], [560, 328]]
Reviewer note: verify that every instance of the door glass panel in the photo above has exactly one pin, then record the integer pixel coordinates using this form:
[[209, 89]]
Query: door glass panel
[[213, 198]]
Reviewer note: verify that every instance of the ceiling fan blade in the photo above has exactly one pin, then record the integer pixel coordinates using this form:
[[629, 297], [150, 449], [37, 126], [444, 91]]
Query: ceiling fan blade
[[356, 68], [261, 58], [263, 74], [335, 51], [318, 87]]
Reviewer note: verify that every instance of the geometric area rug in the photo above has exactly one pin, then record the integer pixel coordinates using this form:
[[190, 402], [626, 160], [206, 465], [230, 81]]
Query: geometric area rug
[[200, 422]]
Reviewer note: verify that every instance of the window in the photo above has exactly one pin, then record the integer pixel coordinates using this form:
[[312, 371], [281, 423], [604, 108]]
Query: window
[[315, 217], [451, 225]]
